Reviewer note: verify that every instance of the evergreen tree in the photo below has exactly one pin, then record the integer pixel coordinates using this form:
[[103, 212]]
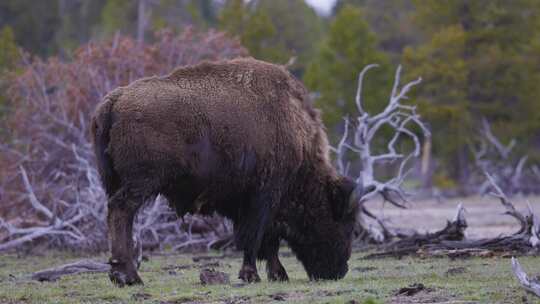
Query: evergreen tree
[[9, 52], [177, 14], [34, 24], [333, 73], [79, 20], [475, 64], [119, 15], [298, 30], [274, 30], [391, 22], [253, 27], [9, 55]]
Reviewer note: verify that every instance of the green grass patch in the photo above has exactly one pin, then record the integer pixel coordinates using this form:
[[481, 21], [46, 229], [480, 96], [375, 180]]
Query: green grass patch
[[174, 278]]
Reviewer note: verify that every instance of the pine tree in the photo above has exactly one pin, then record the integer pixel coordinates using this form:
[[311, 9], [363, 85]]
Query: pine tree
[[333, 73], [9, 54], [274, 30], [254, 29], [119, 15], [475, 64]]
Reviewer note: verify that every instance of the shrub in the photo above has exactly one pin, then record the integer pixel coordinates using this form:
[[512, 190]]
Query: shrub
[[51, 190]]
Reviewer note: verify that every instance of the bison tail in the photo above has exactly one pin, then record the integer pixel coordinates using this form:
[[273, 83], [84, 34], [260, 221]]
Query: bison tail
[[101, 125]]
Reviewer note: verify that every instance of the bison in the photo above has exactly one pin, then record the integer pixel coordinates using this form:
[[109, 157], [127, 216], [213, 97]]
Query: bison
[[239, 138]]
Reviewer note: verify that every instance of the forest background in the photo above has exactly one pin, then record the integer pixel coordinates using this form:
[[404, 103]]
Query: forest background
[[479, 60]]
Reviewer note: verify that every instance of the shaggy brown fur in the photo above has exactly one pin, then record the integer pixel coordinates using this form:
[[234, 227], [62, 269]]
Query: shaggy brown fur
[[238, 137]]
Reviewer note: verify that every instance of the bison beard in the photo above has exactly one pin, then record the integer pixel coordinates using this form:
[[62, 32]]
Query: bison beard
[[239, 138]]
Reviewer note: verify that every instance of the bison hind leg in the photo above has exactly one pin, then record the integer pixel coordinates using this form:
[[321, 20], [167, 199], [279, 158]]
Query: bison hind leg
[[122, 209]]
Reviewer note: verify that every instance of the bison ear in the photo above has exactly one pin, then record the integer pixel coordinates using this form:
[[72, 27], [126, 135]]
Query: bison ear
[[340, 197]]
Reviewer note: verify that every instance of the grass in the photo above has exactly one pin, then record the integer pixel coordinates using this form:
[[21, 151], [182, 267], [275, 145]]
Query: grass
[[475, 280]]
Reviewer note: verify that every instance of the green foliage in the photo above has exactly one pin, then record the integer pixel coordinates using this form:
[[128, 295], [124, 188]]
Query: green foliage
[[442, 95], [33, 22], [475, 64], [341, 3], [273, 30], [9, 55], [333, 73], [390, 20], [298, 30], [233, 17], [253, 27], [178, 14], [9, 52], [119, 15], [79, 21]]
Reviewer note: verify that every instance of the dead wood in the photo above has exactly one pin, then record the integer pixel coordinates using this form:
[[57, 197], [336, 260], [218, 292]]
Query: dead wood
[[83, 266], [453, 231], [359, 136], [412, 289], [451, 241], [531, 285]]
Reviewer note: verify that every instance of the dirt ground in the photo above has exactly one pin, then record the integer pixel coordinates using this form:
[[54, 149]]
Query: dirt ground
[[485, 215]]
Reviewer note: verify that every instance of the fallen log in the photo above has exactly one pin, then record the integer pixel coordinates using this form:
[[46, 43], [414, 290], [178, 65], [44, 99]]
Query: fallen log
[[452, 240], [453, 231], [83, 266]]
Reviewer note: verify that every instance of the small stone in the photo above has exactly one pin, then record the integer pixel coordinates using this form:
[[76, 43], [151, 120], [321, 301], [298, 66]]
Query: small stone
[[210, 276]]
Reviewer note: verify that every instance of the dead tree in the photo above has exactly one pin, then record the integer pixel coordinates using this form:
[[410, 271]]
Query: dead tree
[[531, 285], [50, 192], [358, 137], [411, 244], [525, 241], [507, 169], [83, 266]]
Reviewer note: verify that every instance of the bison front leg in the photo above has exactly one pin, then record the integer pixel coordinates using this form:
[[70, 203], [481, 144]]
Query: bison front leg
[[252, 223], [248, 272], [269, 251], [124, 262]]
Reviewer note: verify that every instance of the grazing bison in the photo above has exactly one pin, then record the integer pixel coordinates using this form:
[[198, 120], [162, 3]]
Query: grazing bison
[[235, 137]]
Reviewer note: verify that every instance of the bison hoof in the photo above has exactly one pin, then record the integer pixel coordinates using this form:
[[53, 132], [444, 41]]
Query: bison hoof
[[121, 279], [249, 275], [280, 275]]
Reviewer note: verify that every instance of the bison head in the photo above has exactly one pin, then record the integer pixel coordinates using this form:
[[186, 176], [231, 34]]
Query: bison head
[[323, 244]]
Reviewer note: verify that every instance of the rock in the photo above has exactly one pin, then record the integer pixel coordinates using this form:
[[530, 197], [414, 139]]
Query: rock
[[210, 276], [455, 271]]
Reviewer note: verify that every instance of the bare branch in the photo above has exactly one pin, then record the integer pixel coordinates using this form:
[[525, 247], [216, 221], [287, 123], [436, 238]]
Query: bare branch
[[504, 151], [52, 178], [358, 98], [83, 266], [32, 196], [510, 209], [529, 284], [401, 118]]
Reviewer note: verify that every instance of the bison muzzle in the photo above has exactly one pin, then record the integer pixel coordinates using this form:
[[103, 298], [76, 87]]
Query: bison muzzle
[[239, 138]]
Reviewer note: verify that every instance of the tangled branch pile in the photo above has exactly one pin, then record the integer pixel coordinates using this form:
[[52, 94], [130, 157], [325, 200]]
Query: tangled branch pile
[[508, 169], [50, 190], [451, 240]]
